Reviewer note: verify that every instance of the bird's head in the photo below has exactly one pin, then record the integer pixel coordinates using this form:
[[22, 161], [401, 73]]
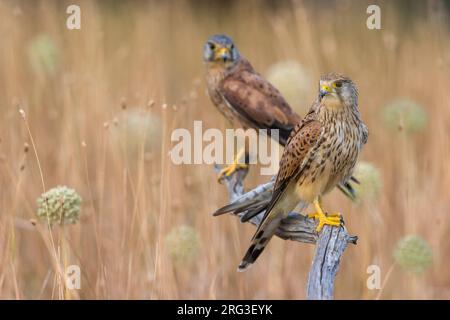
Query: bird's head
[[337, 90], [220, 50]]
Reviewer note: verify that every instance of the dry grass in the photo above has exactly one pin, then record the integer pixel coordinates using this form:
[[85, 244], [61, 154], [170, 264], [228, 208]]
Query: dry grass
[[129, 53]]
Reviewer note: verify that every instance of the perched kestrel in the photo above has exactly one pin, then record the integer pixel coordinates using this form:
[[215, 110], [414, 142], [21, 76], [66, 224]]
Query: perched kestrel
[[320, 153], [245, 98]]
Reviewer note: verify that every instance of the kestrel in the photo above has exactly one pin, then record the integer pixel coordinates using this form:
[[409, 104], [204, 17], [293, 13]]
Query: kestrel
[[320, 153], [245, 98]]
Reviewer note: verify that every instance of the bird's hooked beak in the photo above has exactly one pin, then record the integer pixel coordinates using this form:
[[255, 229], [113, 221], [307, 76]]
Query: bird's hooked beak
[[324, 90], [223, 54]]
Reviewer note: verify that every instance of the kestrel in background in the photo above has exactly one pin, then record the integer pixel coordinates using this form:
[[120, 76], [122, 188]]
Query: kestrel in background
[[245, 98], [321, 152]]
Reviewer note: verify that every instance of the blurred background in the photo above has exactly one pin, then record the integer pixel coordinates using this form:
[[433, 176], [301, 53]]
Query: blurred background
[[100, 105]]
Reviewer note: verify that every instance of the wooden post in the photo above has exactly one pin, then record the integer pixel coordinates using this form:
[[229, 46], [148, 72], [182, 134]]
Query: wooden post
[[330, 243]]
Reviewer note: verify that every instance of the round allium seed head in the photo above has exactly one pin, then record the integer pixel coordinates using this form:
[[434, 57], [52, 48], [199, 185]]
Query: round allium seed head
[[182, 244], [43, 54], [413, 254], [138, 129], [370, 182], [60, 205], [405, 114], [293, 82]]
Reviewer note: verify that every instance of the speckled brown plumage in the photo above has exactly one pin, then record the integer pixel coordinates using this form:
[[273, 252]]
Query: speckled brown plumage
[[248, 100], [320, 153]]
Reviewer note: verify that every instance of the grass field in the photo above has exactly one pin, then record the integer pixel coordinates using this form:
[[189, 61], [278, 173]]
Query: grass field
[[101, 104]]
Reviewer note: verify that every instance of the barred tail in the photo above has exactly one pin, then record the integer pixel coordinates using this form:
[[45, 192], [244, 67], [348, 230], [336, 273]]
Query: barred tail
[[276, 210], [265, 232]]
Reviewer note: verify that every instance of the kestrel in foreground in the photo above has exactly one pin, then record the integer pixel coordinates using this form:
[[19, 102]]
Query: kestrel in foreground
[[321, 152], [245, 98]]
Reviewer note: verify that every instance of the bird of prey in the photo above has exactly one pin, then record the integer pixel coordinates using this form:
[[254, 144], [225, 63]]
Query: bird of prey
[[245, 98], [320, 153]]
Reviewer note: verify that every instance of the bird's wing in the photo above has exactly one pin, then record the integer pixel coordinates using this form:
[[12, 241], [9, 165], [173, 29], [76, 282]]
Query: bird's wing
[[257, 101], [295, 159], [297, 152]]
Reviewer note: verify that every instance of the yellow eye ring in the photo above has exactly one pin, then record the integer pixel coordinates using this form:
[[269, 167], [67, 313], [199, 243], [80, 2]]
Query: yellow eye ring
[[337, 84]]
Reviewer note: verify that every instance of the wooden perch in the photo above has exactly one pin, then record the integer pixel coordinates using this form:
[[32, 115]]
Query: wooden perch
[[330, 243]]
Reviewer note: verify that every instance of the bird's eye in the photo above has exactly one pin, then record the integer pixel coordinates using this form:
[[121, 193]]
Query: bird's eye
[[212, 46], [337, 84]]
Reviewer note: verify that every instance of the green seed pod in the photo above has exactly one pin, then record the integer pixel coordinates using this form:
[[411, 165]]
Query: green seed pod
[[43, 54], [138, 129], [369, 187], [60, 205], [404, 114], [413, 254], [182, 244], [293, 82]]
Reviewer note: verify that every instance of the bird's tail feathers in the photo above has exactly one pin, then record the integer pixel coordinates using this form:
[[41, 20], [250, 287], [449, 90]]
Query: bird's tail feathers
[[235, 207], [257, 197], [254, 211], [264, 232], [348, 190]]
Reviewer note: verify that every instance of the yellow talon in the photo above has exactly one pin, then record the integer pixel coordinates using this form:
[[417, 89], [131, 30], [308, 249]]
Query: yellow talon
[[332, 219], [229, 170], [232, 168]]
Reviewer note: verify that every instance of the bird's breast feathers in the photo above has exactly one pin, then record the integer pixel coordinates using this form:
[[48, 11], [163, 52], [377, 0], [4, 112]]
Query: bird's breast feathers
[[333, 161]]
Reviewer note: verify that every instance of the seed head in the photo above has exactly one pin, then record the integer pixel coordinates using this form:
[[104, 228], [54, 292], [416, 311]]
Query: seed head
[[183, 244], [369, 178], [60, 205], [413, 254]]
